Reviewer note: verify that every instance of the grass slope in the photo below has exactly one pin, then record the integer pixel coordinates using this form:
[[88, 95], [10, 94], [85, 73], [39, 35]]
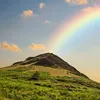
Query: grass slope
[[32, 83]]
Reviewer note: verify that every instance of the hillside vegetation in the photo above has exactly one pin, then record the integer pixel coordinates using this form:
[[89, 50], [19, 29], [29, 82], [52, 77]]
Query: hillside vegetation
[[45, 81]]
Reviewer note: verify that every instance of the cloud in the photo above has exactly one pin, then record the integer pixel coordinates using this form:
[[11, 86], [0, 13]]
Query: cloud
[[77, 2], [47, 22], [42, 5], [10, 47], [37, 46], [28, 13]]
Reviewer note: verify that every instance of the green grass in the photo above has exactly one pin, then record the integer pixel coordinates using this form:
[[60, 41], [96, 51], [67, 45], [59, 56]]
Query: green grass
[[20, 84]]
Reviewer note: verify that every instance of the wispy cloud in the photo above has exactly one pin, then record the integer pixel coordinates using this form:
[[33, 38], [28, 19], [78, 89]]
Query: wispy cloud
[[77, 2], [42, 5], [47, 22], [10, 47], [37, 46], [28, 13]]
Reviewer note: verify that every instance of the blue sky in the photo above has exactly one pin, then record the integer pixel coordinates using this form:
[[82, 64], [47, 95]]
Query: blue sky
[[27, 26]]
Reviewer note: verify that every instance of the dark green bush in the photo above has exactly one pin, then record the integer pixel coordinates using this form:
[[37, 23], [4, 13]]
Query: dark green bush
[[40, 76]]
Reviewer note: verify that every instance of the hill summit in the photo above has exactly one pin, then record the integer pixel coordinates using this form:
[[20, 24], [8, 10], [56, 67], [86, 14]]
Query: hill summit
[[50, 60]]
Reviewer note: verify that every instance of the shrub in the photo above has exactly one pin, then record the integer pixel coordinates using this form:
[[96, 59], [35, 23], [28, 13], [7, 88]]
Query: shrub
[[36, 76], [41, 76]]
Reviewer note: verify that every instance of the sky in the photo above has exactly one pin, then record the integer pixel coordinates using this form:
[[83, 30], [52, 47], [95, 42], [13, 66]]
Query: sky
[[32, 27]]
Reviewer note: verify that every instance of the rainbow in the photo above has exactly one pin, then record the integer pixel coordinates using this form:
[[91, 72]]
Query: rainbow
[[71, 28]]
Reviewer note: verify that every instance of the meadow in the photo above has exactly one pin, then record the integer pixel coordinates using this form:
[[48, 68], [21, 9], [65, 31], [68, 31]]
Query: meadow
[[28, 84]]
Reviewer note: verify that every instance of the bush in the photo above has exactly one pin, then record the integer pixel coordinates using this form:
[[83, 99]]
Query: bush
[[36, 76], [40, 76]]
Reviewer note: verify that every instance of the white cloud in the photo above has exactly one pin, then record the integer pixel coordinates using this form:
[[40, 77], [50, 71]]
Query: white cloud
[[42, 5], [10, 47], [47, 22]]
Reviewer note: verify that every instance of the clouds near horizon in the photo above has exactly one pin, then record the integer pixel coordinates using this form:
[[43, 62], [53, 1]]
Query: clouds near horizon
[[10, 47], [37, 46]]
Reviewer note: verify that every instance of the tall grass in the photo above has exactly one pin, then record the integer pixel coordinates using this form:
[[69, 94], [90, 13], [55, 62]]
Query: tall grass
[[22, 84]]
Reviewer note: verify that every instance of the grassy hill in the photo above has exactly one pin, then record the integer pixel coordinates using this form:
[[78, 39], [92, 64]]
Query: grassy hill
[[46, 77]]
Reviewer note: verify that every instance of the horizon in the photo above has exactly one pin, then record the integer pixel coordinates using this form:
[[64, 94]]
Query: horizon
[[66, 28]]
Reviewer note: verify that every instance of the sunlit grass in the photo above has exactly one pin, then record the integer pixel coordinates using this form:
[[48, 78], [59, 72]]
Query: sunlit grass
[[20, 84]]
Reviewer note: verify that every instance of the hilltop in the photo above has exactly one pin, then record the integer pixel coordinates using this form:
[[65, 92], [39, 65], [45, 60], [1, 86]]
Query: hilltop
[[49, 60]]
